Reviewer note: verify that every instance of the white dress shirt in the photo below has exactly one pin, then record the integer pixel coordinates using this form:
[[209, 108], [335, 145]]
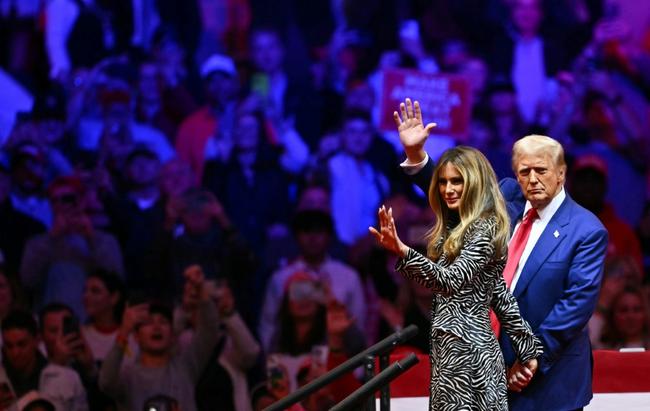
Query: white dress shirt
[[539, 225]]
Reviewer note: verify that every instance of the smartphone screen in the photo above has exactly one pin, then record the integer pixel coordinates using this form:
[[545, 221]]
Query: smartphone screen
[[260, 84], [70, 325]]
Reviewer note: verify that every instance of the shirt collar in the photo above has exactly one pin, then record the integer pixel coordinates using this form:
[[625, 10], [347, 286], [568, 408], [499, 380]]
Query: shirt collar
[[547, 212]]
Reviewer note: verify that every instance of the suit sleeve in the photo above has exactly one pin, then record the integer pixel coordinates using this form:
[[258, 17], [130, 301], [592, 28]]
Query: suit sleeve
[[571, 313], [422, 178], [475, 254]]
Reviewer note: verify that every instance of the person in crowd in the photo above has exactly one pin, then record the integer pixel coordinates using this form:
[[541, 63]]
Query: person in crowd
[[301, 336], [207, 133], [139, 215], [204, 237], [16, 227], [529, 56], [25, 371], [223, 384], [621, 272], [286, 99], [28, 183], [150, 106], [466, 253], [55, 264], [358, 187], [160, 369], [588, 186], [313, 231], [64, 343], [628, 321], [118, 125], [104, 300], [555, 296], [252, 187]]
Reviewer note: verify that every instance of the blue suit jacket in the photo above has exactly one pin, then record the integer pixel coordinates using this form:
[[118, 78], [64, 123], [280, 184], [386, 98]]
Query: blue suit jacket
[[557, 293]]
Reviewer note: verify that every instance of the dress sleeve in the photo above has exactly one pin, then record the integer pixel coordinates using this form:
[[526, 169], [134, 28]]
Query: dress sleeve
[[526, 345], [475, 255]]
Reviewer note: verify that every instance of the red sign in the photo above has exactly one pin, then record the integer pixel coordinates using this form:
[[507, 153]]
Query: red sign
[[445, 99]]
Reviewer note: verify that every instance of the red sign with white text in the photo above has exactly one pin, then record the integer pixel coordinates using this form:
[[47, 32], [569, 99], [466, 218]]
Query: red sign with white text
[[445, 99]]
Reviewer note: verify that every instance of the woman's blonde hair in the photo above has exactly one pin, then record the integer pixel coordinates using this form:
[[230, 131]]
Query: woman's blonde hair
[[481, 198]]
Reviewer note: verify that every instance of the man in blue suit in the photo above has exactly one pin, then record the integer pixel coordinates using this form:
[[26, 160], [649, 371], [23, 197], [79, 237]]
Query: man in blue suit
[[557, 278]]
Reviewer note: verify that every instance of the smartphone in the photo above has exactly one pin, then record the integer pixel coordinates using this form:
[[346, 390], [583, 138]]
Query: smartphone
[[274, 371], [260, 84], [70, 325]]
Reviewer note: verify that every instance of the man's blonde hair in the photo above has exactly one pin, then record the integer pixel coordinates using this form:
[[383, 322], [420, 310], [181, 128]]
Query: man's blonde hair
[[538, 144]]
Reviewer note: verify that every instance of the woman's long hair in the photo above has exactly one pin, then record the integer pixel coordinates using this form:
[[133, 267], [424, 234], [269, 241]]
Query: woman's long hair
[[286, 339], [611, 336], [481, 198]]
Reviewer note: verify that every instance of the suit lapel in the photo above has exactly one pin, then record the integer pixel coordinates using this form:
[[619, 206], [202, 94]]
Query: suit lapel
[[551, 237]]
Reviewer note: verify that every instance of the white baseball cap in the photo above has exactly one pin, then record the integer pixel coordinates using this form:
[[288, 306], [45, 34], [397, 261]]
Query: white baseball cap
[[218, 62]]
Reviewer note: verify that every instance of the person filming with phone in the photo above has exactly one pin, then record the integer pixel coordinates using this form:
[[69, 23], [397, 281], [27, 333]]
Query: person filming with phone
[[27, 373], [55, 264]]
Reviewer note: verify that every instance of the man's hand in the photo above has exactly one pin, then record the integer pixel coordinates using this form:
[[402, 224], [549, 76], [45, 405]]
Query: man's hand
[[412, 131], [520, 375], [132, 317]]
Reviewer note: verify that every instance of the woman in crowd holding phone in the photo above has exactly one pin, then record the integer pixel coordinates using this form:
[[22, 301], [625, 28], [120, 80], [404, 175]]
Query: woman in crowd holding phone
[[104, 302]]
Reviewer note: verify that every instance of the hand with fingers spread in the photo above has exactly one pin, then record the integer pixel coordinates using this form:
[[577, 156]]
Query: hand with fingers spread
[[412, 131], [387, 234]]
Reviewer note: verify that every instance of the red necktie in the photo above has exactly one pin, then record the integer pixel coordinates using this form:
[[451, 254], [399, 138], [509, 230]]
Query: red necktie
[[515, 250]]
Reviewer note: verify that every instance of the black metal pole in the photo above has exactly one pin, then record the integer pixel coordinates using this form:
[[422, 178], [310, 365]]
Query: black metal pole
[[369, 374], [384, 396], [382, 346], [381, 379]]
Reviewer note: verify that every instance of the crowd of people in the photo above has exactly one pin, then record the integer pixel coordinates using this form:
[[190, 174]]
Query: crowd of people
[[186, 187]]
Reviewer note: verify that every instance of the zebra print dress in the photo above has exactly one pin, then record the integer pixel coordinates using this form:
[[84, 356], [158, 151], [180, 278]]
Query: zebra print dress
[[467, 367]]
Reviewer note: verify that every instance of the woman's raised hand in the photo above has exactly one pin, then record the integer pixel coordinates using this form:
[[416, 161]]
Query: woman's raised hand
[[412, 131], [387, 234]]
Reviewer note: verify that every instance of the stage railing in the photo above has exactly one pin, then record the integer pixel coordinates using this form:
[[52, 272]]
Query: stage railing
[[376, 383], [382, 348]]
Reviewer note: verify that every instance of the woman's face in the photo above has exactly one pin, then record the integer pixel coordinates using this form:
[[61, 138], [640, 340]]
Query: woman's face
[[97, 299], [6, 298], [628, 316], [450, 186], [303, 301]]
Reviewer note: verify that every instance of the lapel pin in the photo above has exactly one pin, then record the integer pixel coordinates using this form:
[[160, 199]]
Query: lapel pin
[[556, 234]]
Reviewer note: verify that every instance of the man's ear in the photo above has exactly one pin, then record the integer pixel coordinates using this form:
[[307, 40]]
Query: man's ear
[[562, 173]]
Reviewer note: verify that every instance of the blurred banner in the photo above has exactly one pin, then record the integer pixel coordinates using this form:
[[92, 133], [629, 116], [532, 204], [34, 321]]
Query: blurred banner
[[445, 99]]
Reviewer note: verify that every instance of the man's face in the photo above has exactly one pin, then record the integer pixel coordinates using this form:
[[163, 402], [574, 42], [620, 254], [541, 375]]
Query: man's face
[[313, 244], [539, 177], [220, 88], [356, 137], [155, 334], [144, 170], [176, 177], [267, 52], [65, 200], [527, 16], [19, 348]]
